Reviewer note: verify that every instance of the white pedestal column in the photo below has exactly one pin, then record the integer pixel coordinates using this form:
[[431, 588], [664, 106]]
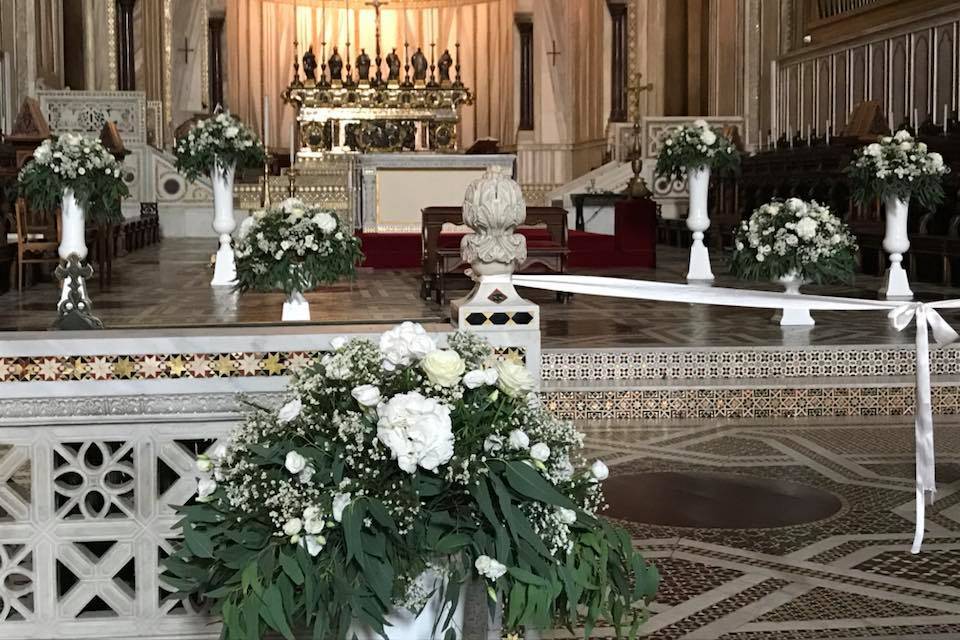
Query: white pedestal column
[[793, 317], [896, 242], [296, 308], [72, 238], [225, 270], [698, 221]]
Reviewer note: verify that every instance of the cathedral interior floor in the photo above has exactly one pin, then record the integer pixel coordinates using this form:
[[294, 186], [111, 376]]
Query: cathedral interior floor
[[168, 285]]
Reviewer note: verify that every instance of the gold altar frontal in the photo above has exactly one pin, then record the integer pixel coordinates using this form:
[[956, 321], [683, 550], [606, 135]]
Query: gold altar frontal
[[383, 118]]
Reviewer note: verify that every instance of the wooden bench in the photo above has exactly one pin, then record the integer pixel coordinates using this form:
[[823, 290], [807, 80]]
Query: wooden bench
[[544, 227]]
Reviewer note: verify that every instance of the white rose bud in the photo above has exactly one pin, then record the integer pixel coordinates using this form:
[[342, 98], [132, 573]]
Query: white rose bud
[[540, 451], [295, 463], [514, 379], [599, 471], [205, 488], [443, 367], [289, 411], [518, 439], [366, 395], [293, 527]]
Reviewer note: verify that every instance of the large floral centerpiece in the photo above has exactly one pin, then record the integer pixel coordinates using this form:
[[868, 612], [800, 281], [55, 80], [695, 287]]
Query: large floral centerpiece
[[794, 242], [80, 165], [395, 461], [294, 248], [897, 169], [694, 150], [217, 147]]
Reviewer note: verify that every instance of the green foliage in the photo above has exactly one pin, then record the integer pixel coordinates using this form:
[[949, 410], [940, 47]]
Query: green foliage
[[294, 248], [696, 145], [220, 140], [312, 525], [77, 162], [794, 237], [898, 167]]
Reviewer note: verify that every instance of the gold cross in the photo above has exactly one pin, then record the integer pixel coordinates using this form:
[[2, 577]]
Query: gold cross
[[376, 4], [638, 89]]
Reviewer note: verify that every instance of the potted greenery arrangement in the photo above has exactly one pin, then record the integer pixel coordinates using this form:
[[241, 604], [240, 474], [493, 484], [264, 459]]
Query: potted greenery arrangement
[[794, 243], [895, 170], [77, 175], [398, 473], [217, 147], [294, 248], [693, 151]]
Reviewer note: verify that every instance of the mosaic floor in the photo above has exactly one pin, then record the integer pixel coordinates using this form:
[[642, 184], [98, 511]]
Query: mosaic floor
[[168, 284], [849, 574]]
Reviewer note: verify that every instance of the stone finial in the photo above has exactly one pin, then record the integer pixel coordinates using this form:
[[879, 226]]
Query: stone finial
[[493, 207]]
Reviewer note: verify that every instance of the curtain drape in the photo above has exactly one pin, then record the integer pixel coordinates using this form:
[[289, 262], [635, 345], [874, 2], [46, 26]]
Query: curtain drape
[[260, 54]]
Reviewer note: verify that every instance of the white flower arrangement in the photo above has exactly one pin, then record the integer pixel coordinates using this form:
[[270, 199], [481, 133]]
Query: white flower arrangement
[[294, 248], [219, 141], [794, 238], [695, 145], [77, 162], [898, 166], [393, 458]]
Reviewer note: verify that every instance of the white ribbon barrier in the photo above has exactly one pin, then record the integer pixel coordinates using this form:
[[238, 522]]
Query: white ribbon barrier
[[901, 315]]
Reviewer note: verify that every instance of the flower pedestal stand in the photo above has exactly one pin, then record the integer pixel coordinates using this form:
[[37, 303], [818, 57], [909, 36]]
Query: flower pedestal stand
[[795, 316], [406, 625], [296, 308], [225, 270], [698, 221], [896, 242], [74, 308]]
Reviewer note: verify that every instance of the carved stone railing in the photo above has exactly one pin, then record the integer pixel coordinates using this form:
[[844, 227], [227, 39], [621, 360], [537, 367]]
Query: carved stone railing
[[87, 111], [98, 439]]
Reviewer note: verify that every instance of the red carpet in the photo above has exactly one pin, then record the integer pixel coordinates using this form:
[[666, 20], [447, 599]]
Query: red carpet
[[634, 244]]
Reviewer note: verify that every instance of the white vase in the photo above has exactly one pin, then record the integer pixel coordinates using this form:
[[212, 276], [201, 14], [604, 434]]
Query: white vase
[[896, 242], [72, 237], [225, 270], [405, 625], [698, 221], [793, 316], [296, 308]]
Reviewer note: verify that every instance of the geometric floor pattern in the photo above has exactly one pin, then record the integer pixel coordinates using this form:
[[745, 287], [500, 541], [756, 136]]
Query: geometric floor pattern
[[850, 575]]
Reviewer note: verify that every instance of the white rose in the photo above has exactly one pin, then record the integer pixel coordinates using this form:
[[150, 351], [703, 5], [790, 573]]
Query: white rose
[[807, 228], [936, 160], [289, 411], [906, 145], [404, 345], [417, 430], [205, 488], [902, 135], [489, 568], [518, 439], [493, 444], [566, 516], [443, 367], [540, 451], [293, 527], [599, 471], [312, 521], [479, 378], [514, 379], [708, 137], [306, 474], [873, 149], [295, 463], [366, 395], [246, 225], [326, 222], [340, 502]]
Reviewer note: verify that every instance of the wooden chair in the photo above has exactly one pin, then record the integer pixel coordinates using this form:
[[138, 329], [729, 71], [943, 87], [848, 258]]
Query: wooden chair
[[37, 237]]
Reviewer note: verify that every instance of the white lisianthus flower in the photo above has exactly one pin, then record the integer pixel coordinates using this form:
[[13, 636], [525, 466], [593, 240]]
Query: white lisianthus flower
[[444, 367], [314, 544], [205, 489], [293, 527], [493, 444], [294, 462], [313, 521], [204, 464], [479, 378], [289, 412], [404, 345], [489, 568], [340, 502], [366, 395], [326, 222], [708, 137], [518, 439], [218, 452], [599, 471], [306, 475], [540, 451], [417, 430], [566, 516], [514, 379], [873, 149]]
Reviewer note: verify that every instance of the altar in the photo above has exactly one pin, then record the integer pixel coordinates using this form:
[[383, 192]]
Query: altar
[[395, 187]]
